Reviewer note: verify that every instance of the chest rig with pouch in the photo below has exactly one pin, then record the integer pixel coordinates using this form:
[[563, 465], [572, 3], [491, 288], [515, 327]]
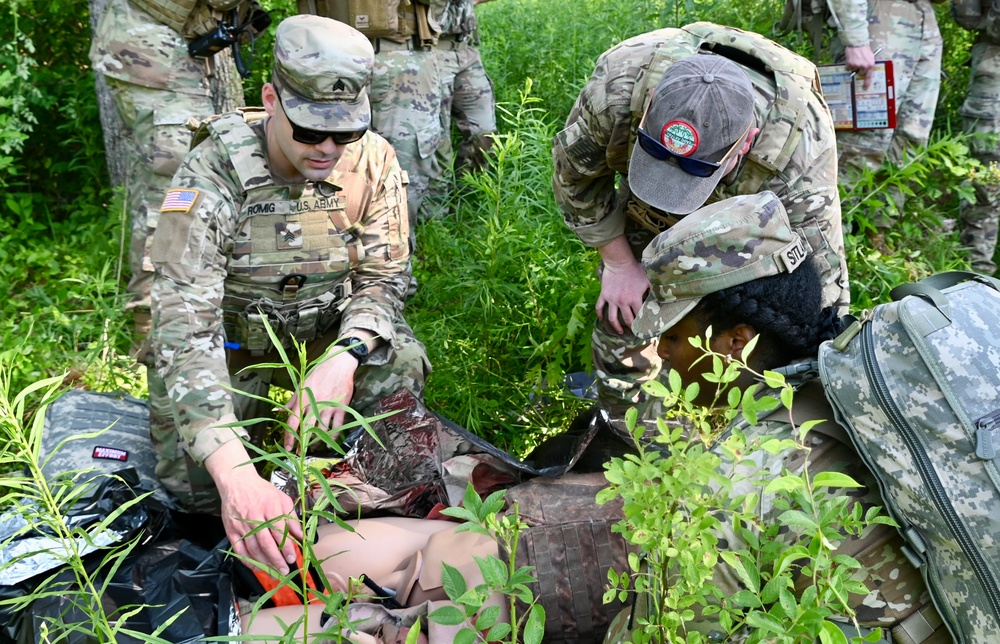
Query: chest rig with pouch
[[784, 86], [294, 249]]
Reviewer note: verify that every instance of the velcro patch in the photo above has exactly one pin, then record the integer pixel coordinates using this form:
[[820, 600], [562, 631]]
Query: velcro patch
[[109, 453], [179, 200]]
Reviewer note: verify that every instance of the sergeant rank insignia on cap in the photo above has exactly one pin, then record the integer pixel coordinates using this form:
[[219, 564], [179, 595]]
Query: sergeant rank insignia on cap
[[179, 200]]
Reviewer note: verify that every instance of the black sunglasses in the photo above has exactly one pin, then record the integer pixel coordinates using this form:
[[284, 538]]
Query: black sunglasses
[[692, 166], [315, 137]]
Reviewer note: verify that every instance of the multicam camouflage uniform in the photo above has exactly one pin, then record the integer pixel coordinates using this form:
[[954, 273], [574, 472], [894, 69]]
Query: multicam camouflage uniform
[[721, 246], [908, 34], [157, 87], [981, 117], [898, 600], [406, 101], [222, 265], [467, 94], [794, 156]]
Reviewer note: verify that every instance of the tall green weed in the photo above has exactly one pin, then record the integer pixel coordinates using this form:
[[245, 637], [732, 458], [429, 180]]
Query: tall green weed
[[504, 291]]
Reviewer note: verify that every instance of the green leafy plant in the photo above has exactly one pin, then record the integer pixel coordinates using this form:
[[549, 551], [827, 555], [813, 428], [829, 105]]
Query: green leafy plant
[[504, 577], [680, 495]]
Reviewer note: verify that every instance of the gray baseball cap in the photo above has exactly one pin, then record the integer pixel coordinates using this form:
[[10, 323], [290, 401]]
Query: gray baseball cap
[[730, 242], [322, 69], [698, 110]]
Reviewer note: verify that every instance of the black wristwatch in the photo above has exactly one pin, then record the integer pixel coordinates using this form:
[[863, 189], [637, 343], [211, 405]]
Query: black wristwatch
[[358, 348]]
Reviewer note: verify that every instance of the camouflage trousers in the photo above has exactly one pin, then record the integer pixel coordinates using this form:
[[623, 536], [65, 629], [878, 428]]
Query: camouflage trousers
[[191, 483], [158, 140], [981, 118], [467, 100], [406, 110], [908, 34]]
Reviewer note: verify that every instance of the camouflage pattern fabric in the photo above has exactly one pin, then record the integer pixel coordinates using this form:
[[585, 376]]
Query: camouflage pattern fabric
[[157, 86], [981, 117], [916, 386], [468, 101], [406, 110], [897, 590], [908, 34], [209, 245], [793, 156]]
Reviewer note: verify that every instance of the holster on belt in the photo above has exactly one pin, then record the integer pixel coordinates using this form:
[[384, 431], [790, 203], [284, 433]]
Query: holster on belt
[[652, 220]]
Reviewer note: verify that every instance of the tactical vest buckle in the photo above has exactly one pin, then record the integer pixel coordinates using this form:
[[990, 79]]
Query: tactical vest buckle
[[290, 284]]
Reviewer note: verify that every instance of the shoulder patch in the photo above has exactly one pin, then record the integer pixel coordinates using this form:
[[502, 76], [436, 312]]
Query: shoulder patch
[[179, 200]]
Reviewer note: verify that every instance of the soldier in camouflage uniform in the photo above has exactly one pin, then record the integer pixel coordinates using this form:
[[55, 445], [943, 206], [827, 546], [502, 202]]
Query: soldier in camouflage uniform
[[981, 118], [907, 33], [467, 95], [406, 99], [739, 267], [141, 47], [707, 127], [296, 221]]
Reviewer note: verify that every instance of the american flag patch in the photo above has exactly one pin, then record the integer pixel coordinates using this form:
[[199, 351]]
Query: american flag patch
[[178, 200]]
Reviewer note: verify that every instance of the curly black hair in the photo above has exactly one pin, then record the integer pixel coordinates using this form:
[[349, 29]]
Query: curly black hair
[[785, 309]]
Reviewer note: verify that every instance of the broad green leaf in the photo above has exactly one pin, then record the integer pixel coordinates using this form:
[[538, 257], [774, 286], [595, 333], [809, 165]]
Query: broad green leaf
[[765, 622], [831, 634], [447, 615], [834, 479], [453, 581], [534, 628], [784, 484], [797, 519], [487, 618]]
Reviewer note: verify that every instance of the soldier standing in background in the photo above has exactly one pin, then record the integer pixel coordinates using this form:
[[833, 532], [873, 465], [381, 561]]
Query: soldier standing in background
[[907, 33], [296, 221], [678, 127], [467, 95], [981, 118], [141, 47]]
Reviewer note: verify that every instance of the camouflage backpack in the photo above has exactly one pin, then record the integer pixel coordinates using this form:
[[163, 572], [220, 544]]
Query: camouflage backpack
[[916, 383]]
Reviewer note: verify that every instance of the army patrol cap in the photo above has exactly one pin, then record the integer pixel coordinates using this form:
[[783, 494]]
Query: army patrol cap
[[722, 245], [698, 110], [322, 69]]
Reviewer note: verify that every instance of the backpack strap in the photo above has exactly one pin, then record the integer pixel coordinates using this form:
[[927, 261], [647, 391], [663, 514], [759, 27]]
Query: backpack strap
[[930, 289]]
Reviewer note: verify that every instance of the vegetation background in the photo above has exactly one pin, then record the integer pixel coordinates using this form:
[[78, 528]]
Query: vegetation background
[[506, 291]]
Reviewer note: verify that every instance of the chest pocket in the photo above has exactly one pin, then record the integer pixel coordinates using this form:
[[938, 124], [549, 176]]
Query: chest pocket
[[313, 237]]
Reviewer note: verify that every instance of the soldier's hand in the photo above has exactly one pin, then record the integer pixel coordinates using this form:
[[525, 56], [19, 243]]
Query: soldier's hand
[[248, 501], [331, 380], [623, 288], [860, 60]]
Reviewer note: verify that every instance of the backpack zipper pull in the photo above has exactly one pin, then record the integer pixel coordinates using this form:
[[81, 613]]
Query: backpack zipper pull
[[987, 436], [841, 341]]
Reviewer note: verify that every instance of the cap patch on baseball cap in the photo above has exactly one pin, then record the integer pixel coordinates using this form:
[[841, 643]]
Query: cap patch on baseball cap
[[680, 137]]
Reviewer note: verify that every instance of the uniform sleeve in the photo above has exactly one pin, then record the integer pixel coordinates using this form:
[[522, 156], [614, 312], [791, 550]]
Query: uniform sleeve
[[850, 17], [383, 276], [583, 180], [188, 337]]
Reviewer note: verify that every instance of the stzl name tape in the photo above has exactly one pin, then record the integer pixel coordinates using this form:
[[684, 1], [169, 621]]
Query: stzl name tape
[[110, 453]]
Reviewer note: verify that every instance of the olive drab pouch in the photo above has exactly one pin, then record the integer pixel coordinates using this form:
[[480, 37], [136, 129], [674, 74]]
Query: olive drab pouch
[[570, 543], [373, 18], [916, 383]]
